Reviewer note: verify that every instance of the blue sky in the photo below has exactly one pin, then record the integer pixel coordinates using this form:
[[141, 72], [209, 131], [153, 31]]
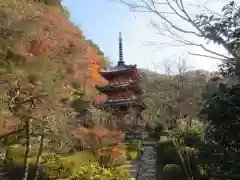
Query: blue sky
[[101, 21]]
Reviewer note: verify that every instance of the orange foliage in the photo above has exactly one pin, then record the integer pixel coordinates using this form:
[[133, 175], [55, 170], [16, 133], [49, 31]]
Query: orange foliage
[[41, 32], [41, 48], [96, 79], [100, 98], [50, 35], [101, 141]]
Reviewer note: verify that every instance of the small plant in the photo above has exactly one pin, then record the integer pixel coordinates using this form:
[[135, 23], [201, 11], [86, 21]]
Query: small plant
[[54, 168], [94, 171], [172, 172], [133, 155]]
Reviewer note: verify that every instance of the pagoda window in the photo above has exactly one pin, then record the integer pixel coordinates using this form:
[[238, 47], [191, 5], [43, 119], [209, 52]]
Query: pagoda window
[[133, 97], [130, 79], [132, 118], [128, 119]]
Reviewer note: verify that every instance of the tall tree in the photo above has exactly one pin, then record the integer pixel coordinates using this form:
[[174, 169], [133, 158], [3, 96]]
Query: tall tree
[[219, 28]]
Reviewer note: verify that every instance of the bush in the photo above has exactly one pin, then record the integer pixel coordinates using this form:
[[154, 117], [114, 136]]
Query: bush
[[194, 136], [119, 159], [133, 155], [16, 154], [168, 153], [55, 168], [79, 159], [123, 174], [192, 139], [134, 146], [52, 166], [173, 172], [94, 171]]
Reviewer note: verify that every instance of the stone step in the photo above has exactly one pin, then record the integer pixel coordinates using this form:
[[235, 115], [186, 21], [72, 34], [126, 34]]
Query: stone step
[[147, 166], [148, 160], [149, 170], [149, 156], [149, 142]]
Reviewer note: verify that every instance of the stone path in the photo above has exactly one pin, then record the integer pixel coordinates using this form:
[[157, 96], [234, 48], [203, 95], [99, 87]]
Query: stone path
[[145, 168], [133, 169]]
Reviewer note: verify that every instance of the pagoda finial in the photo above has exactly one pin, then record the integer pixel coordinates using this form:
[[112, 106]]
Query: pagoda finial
[[120, 49]]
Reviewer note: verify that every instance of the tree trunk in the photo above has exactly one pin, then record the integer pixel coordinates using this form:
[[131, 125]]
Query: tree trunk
[[28, 146], [39, 156]]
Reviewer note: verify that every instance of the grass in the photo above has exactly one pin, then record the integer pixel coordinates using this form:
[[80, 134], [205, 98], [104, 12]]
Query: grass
[[79, 159], [72, 162], [125, 166]]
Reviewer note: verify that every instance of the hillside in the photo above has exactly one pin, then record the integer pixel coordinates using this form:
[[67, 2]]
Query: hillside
[[42, 51], [173, 97]]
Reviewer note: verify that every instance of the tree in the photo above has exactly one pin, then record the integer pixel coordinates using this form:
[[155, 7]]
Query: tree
[[176, 96], [35, 100], [66, 11], [33, 84], [222, 117], [221, 29], [102, 142], [104, 61]]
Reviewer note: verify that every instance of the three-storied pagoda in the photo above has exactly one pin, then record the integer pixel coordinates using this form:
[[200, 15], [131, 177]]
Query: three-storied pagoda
[[124, 95]]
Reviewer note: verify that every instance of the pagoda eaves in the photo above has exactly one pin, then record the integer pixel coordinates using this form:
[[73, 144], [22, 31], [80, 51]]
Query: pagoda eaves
[[121, 102], [119, 69], [121, 86], [124, 94]]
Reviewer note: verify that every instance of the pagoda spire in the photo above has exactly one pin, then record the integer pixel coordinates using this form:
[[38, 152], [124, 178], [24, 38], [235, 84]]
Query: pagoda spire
[[120, 62]]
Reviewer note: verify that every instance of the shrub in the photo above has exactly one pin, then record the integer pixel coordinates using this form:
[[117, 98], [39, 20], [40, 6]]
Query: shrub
[[103, 143], [118, 159], [94, 171], [99, 139], [173, 172], [55, 168], [79, 158], [52, 166], [15, 154], [194, 136], [134, 146], [123, 174], [133, 155], [168, 153], [192, 139]]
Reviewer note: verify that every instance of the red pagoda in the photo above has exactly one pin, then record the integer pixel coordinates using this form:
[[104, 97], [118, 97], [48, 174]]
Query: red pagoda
[[124, 95]]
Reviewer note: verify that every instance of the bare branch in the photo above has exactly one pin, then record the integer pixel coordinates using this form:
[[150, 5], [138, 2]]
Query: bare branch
[[185, 42], [207, 10], [163, 43], [31, 99], [202, 55], [177, 9]]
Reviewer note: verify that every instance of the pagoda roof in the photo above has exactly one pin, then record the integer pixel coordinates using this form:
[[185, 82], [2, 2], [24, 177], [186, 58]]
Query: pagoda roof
[[120, 102], [120, 67], [116, 86]]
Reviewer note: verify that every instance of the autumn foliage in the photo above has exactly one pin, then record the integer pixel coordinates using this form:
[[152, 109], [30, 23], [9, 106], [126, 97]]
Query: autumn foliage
[[102, 142], [41, 31], [42, 40]]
